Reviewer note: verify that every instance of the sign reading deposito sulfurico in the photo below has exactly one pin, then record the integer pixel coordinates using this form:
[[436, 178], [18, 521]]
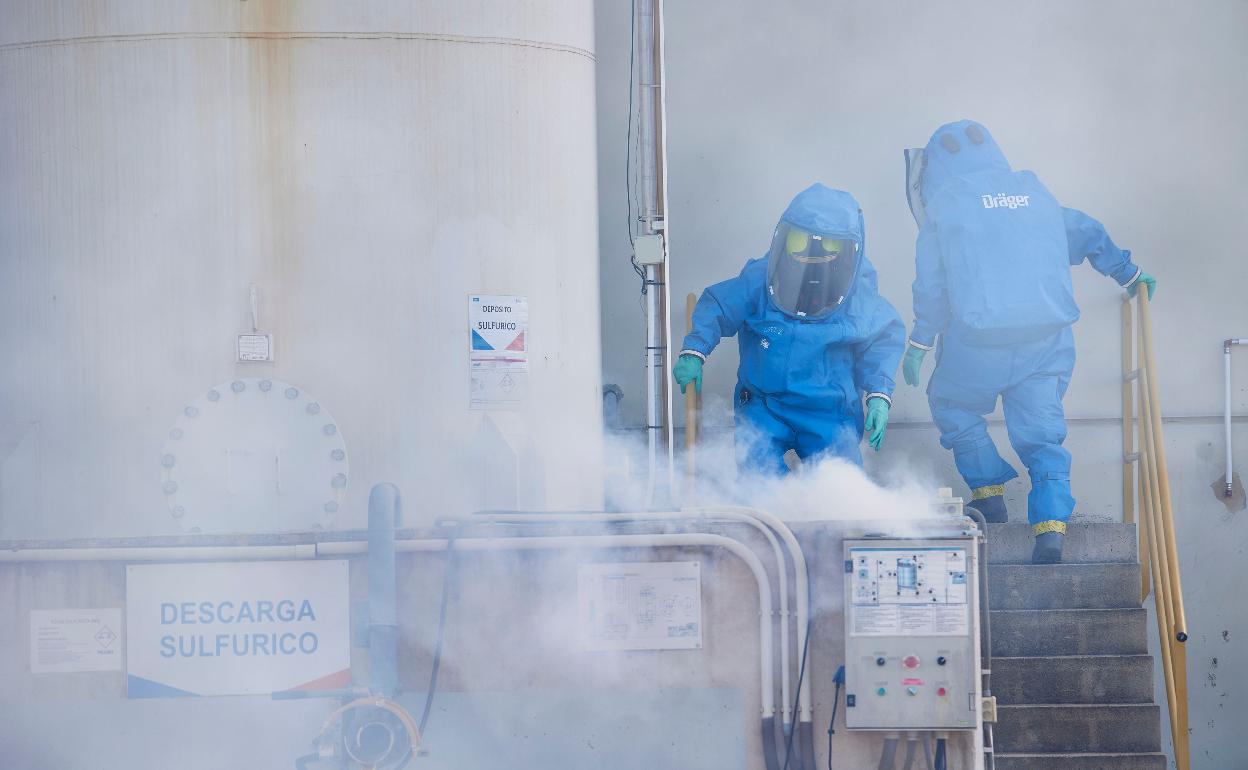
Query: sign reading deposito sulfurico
[[236, 628]]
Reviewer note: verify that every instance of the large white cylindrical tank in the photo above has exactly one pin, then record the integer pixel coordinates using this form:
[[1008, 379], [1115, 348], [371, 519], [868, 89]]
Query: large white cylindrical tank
[[367, 167]]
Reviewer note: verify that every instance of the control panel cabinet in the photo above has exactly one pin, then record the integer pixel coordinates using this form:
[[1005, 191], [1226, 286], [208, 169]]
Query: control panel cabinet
[[911, 634]]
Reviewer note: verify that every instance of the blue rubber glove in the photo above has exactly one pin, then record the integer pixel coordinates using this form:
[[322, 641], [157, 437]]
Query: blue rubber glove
[[1147, 280], [912, 363], [688, 369], [877, 422]]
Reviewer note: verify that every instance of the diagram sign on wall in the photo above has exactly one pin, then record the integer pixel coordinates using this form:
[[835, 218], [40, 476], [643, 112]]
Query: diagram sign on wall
[[640, 606], [62, 641], [498, 354], [236, 629]]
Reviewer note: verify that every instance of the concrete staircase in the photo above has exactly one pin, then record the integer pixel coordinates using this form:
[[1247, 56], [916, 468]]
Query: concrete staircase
[[1071, 669]]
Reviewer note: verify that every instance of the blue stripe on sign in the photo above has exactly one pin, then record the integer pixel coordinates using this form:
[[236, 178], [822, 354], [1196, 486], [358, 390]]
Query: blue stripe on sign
[[138, 687], [479, 343]]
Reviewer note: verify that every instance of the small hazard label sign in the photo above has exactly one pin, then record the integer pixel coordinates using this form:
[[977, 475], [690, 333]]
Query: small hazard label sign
[[498, 354]]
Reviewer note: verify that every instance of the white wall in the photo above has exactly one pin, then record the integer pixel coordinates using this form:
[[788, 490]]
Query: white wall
[[1131, 111]]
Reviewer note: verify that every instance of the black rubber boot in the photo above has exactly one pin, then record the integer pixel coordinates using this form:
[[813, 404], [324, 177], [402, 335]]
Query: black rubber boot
[[1048, 548], [993, 509]]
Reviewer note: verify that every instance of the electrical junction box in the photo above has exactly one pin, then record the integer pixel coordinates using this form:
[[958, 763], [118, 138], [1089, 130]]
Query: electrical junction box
[[911, 634], [648, 249]]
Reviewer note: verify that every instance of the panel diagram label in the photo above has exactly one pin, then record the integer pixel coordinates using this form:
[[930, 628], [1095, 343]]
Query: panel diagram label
[[915, 592], [62, 641], [640, 606]]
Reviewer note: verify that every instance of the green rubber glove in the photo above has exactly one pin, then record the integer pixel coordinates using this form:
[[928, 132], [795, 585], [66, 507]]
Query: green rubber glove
[[877, 422], [688, 369], [912, 363], [1147, 280]]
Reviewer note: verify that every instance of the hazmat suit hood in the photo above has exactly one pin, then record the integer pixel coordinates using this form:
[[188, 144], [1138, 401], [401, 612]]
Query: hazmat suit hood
[[956, 150], [816, 252]]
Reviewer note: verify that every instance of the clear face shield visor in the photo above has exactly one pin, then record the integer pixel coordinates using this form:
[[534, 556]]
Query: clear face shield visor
[[808, 275]]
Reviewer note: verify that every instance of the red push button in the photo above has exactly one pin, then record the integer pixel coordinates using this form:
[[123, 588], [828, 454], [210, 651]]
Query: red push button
[[910, 661], [940, 691]]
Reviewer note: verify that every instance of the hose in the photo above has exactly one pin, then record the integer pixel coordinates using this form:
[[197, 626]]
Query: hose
[[941, 762], [927, 751], [447, 575], [801, 675], [838, 679], [770, 760], [910, 749], [888, 758]]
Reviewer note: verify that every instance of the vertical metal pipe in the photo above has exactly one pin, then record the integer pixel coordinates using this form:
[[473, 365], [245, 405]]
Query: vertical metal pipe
[[1226, 415], [651, 220], [1128, 414], [383, 517]]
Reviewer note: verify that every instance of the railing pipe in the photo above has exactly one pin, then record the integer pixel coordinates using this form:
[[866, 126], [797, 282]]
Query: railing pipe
[[1160, 598], [1128, 411], [1158, 445], [741, 518]]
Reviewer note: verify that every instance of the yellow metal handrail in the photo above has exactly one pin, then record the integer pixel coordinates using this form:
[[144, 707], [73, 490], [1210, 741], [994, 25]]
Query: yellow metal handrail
[[693, 416], [1159, 558]]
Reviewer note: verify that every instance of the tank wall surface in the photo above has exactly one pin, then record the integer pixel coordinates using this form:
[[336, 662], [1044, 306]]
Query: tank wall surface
[[367, 170]]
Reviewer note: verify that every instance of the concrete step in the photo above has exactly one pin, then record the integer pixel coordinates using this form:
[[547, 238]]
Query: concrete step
[[1018, 633], [1073, 679], [1078, 728], [1063, 586], [1085, 543], [1081, 761]]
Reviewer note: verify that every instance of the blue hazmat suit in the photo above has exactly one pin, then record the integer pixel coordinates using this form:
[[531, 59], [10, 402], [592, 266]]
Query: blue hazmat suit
[[993, 261], [801, 381]]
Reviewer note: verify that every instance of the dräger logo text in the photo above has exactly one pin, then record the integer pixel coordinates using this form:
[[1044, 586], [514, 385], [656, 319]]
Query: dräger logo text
[[1003, 201]]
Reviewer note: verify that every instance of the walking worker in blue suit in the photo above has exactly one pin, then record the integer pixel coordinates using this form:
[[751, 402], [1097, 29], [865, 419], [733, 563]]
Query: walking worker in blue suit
[[815, 335], [993, 261]]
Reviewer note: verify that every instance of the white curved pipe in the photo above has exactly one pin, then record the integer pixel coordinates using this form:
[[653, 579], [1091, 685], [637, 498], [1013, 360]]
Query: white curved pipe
[[1226, 409], [744, 518], [767, 657], [801, 582], [352, 547]]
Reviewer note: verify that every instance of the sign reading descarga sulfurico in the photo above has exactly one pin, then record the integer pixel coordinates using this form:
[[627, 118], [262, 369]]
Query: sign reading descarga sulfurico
[[237, 628]]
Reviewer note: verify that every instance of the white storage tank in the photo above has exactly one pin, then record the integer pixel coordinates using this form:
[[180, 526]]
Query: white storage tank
[[367, 168]]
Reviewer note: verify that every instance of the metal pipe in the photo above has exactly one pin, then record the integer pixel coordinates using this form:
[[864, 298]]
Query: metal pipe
[[985, 628], [163, 553], [743, 518], [1160, 599], [801, 583], [695, 540], [384, 510], [1226, 410], [1161, 469], [1128, 409], [652, 222]]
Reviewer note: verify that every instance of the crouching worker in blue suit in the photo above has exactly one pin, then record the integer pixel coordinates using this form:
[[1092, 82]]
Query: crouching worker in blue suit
[[993, 261], [816, 339]]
